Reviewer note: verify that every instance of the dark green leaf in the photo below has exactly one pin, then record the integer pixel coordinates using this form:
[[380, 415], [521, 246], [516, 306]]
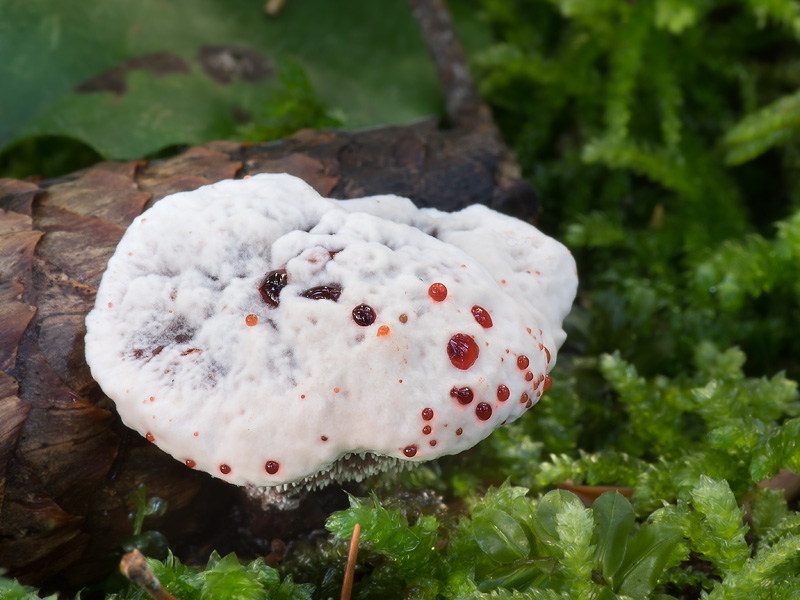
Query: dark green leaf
[[645, 560], [614, 518], [500, 536]]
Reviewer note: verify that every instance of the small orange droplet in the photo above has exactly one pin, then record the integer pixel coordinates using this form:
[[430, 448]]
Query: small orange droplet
[[152, 399], [190, 463], [196, 433], [302, 396], [335, 390], [383, 330], [251, 320], [149, 437], [110, 305], [528, 376]]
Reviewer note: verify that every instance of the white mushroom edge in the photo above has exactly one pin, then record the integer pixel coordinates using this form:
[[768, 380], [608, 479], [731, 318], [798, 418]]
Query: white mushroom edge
[[198, 362]]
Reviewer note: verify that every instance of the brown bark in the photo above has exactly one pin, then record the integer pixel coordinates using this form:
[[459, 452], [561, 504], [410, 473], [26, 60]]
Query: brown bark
[[68, 467]]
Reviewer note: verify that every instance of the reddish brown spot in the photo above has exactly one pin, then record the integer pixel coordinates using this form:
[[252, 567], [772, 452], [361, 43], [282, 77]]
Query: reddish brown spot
[[364, 315], [528, 376], [432, 442], [152, 399], [323, 292], [524, 398], [464, 395], [190, 463], [271, 467], [110, 305], [547, 354], [482, 316], [463, 351], [427, 414], [538, 381], [529, 403], [336, 390], [383, 330], [522, 362], [196, 433], [251, 320], [459, 431], [149, 437], [403, 318], [483, 411], [528, 329], [437, 291], [427, 429], [547, 383], [324, 438], [541, 345], [502, 393], [271, 286], [224, 469], [410, 451]]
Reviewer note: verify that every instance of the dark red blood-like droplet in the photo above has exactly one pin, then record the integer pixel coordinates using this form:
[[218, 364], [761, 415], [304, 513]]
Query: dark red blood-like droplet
[[547, 383], [463, 351], [271, 467], [364, 315], [502, 393], [190, 463], [482, 316], [410, 451], [432, 442], [522, 362], [528, 376], [271, 286], [224, 469], [427, 414], [427, 429], [524, 398], [483, 411], [437, 291], [324, 438], [464, 395], [323, 292], [149, 437], [459, 431]]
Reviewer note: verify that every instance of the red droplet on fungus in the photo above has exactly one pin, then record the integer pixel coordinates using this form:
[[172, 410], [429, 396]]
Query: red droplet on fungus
[[529, 403], [271, 286], [190, 463], [149, 437], [427, 414], [426, 430], [524, 398], [224, 469], [528, 376], [547, 354], [432, 442], [438, 292], [522, 362], [502, 393], [383, 330], [272, 467], [324, 438], [482, 316], [323, 292], [459, 431], [464, 395], [364, 315], [410, 451], [251, 320], [463, 351], [547, 383], [483, 411]]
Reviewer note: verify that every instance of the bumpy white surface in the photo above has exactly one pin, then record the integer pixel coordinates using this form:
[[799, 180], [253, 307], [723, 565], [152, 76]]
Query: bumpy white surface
[[168, 342]]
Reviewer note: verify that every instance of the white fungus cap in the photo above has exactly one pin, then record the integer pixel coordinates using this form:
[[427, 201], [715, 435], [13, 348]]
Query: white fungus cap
[[267, 335]]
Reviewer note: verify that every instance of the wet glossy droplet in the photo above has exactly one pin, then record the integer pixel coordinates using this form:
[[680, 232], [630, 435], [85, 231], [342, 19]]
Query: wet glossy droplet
[[459, 431], [502, 393], [251, 320], [547, 383], [427, 414], [464, 395], [438, 292], [271, 286], [547, 354], [364, 315], [427, 429], [482, 316], [271, 467], [410, 451], [524, 398], [528, 376], [463, 351], [224, 469], [149, 437], [483, 411], [522, 362], [383, 330], [190, 463], [323, 292]]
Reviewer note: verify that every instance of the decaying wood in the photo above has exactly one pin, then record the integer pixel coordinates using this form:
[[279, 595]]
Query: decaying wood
[[68, 467]]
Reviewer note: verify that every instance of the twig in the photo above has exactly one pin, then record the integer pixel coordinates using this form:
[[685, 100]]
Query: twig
[[464, 105], [349, 571], [134, 566]]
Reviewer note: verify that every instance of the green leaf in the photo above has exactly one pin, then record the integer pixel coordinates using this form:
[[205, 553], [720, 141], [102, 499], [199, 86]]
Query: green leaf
[[645, 559], [500, 536], [550, 506], [614, 518]]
